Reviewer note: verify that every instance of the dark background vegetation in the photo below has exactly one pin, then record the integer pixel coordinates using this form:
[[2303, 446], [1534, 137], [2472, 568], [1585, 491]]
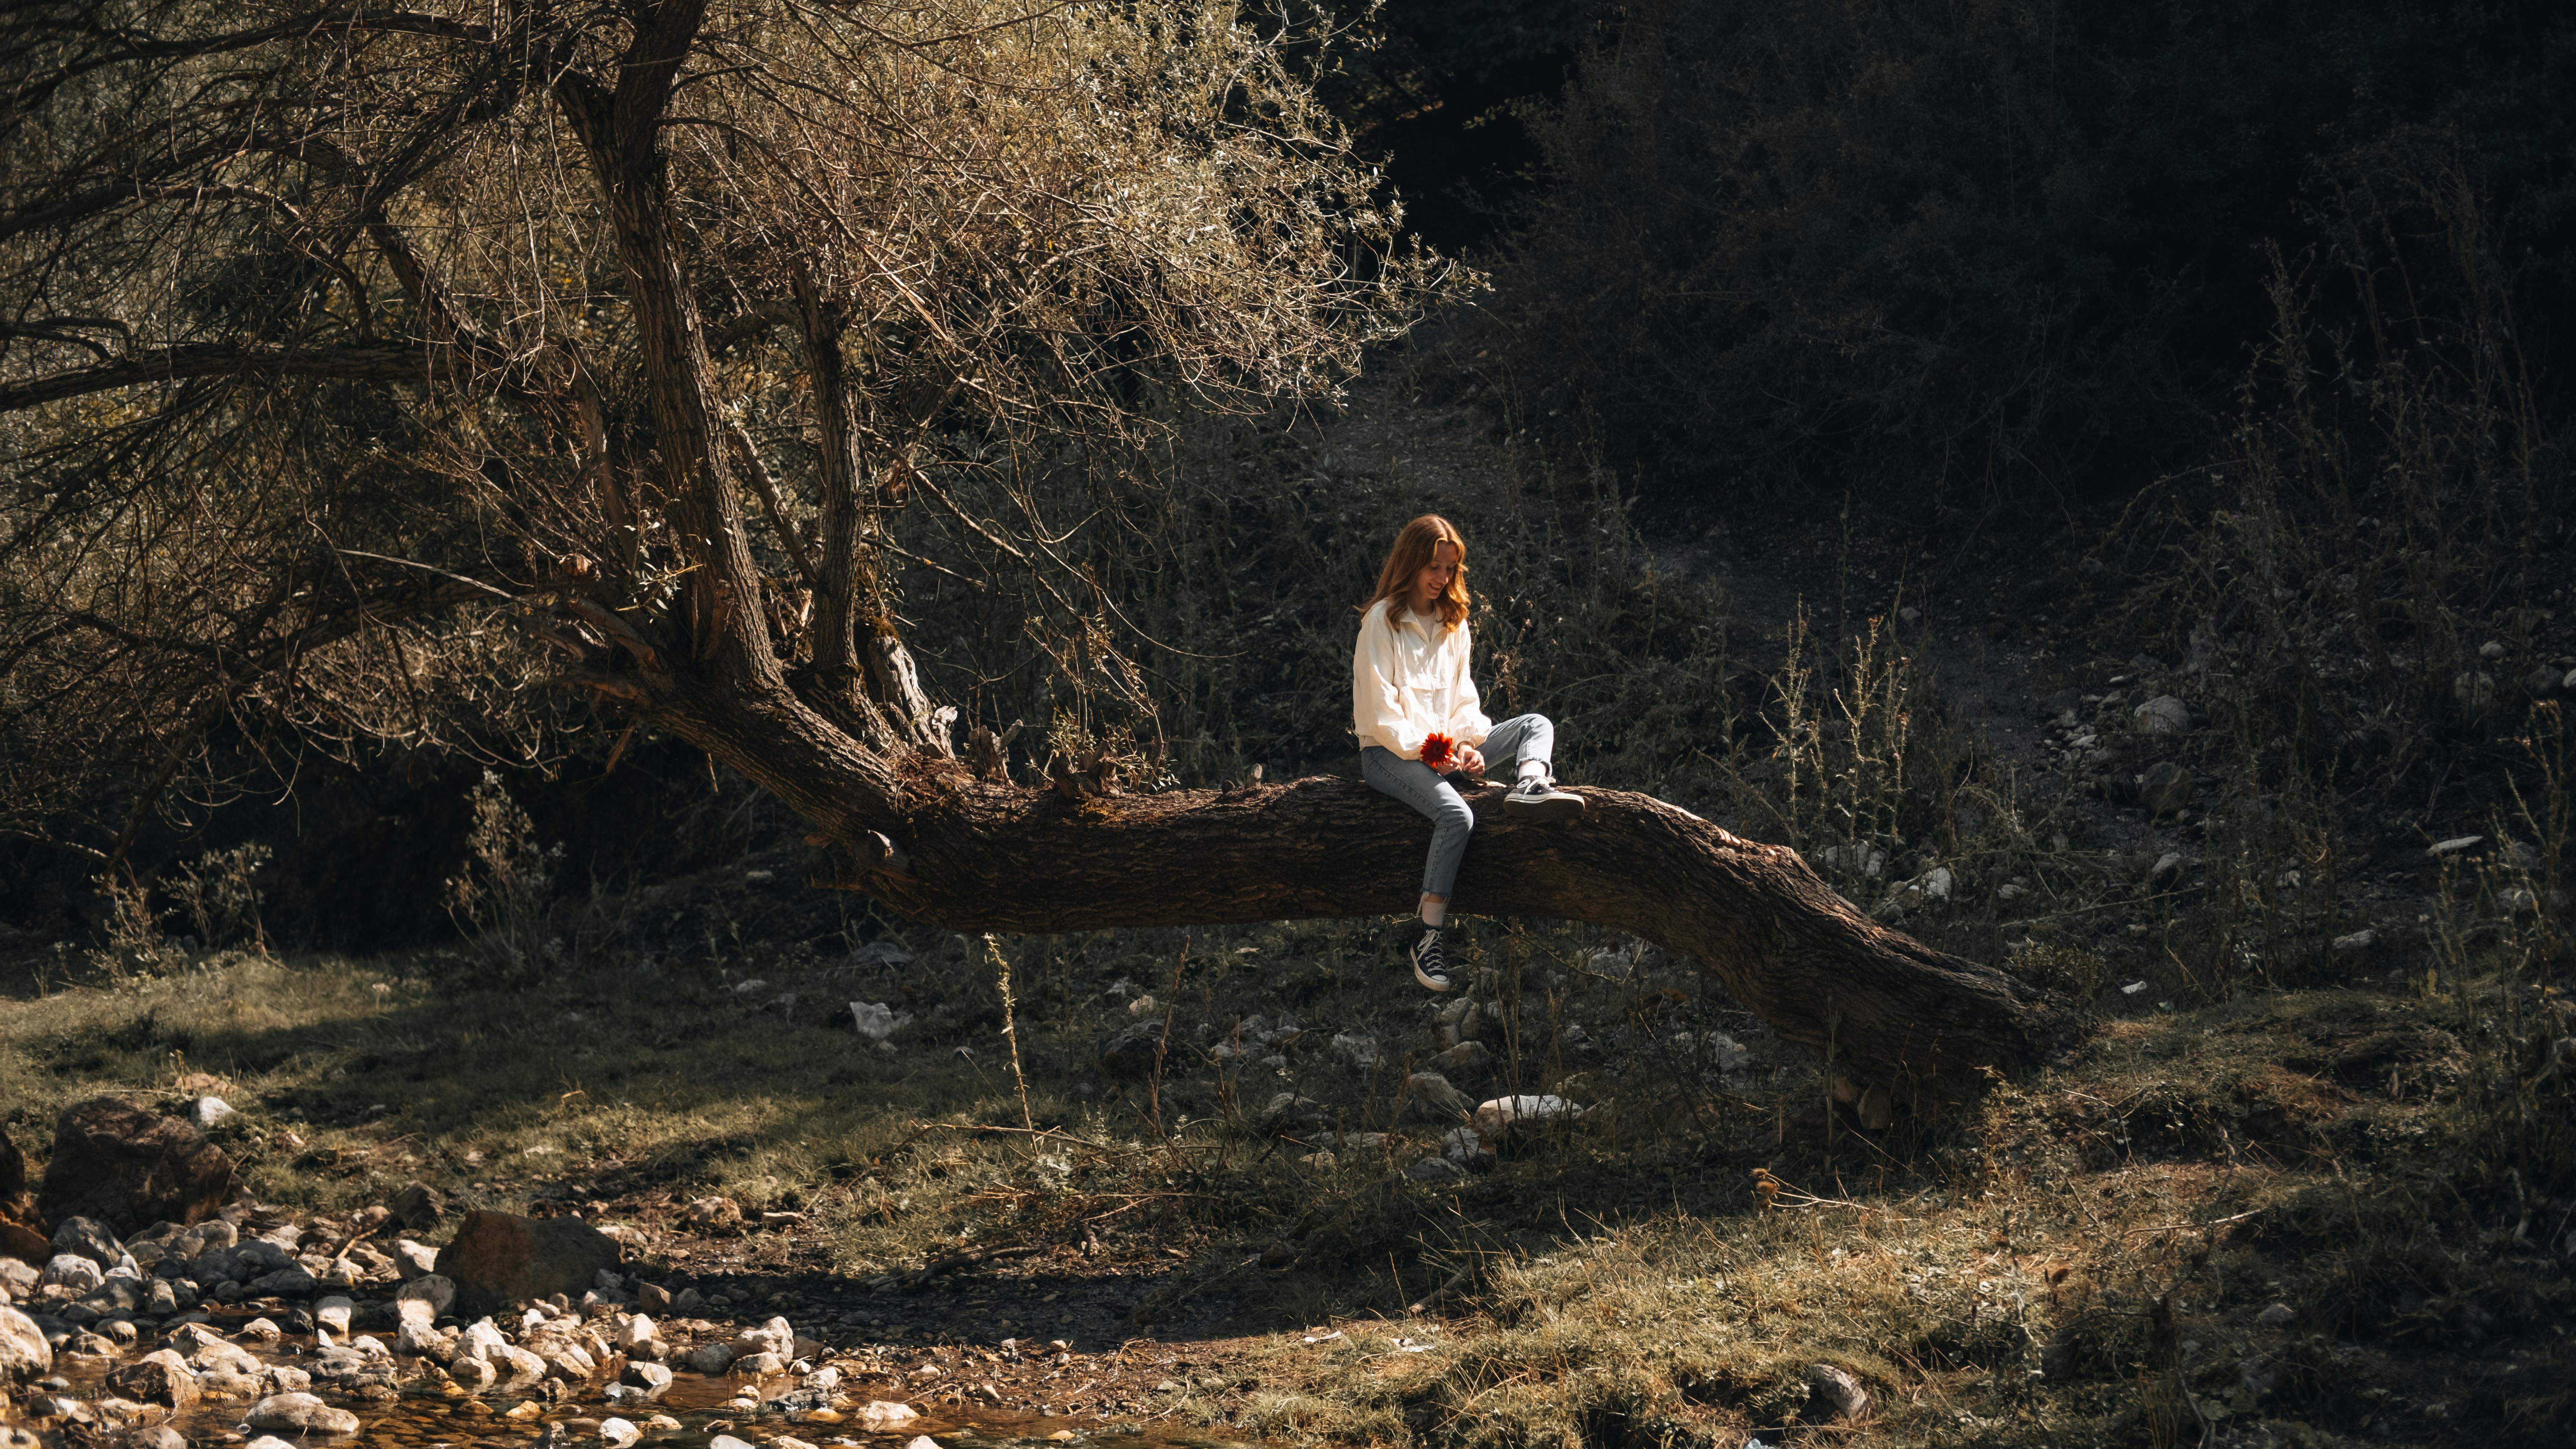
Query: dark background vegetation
[[2023, 281]]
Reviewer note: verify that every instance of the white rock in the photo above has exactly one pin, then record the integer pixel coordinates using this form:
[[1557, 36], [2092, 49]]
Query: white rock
[[2168, 866], [24, 1354], [2492, 649], [745, 988], [635, 1332], [333, 1313], [72, 1271], [2454, 845], [515, 1365], [1491, 1118], [435, 1289], [618, 1433], [882, 1415], [211, 1112], [2162, 715], [414, 1260], [1728, 1053], [2133, 988], [726, 1441], [2358, 941], [303, 1413], [480, 1338], [921, 1441]]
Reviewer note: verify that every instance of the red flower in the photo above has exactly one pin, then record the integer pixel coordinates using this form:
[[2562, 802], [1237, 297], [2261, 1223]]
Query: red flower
[[1435, 751]]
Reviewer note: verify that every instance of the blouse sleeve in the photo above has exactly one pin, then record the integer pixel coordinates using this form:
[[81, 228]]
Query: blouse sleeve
[[1467, 722], [1377, 705]]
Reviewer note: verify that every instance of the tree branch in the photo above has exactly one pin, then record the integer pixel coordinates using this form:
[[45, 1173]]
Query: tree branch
[[172, 364]]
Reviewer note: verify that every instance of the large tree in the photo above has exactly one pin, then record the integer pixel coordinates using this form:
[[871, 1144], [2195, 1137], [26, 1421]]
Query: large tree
[[370, 367]]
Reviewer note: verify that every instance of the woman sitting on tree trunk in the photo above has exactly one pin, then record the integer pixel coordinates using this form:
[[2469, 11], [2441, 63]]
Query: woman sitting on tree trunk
[[1414, 707]]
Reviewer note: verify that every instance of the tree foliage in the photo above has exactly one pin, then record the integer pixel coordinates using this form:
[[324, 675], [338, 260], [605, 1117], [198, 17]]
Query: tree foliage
[[1982, 253], [368, 366]]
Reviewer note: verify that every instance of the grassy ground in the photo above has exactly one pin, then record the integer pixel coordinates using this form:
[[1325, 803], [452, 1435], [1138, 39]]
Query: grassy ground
[[2296, 1217]]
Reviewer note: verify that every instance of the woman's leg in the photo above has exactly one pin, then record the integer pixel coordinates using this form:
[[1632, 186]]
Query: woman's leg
[[1521, 741], [1526, 745], [1420, 786]]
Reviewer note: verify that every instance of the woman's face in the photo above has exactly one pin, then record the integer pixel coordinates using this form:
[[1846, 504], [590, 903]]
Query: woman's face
[[1432, 579]]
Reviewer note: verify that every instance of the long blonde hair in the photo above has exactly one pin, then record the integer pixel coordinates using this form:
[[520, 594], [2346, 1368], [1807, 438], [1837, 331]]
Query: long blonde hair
[[1412, 553]]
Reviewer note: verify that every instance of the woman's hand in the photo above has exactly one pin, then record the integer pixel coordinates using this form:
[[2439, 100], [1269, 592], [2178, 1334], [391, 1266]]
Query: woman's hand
[[1470, 760]]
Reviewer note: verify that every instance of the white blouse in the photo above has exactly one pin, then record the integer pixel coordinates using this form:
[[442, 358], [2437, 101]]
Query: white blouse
[[1409, 680]]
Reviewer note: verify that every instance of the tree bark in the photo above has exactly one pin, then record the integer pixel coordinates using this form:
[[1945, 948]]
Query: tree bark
[[1889, 1011]]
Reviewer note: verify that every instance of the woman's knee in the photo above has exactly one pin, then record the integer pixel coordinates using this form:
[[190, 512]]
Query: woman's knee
[[1452, 814]]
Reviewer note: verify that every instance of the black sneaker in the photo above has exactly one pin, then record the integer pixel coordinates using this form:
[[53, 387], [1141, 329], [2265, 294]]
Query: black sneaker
[[1430, 961], [1537, 798]]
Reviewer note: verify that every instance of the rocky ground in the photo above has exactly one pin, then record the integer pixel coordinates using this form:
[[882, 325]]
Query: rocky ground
[[742, 1161]]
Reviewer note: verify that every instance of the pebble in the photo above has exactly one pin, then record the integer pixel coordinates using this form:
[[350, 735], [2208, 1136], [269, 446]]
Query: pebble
[[2358, 941], [2454, 845], [211, 1112], [2168, 867], [268, 1441], [618, 1433], [2276, 1315], [726, 1441]]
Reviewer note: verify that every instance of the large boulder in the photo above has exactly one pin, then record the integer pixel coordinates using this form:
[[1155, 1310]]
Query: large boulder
[[24, 1354], [501, 1258], [130, 1167], [159, 1377]]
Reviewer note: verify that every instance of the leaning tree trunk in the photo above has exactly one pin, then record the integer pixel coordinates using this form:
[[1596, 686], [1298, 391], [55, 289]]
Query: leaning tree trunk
[[1898, 1020]]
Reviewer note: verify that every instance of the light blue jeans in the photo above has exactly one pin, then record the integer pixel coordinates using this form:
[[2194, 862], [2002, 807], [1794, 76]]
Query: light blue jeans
[[1527, 737]]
